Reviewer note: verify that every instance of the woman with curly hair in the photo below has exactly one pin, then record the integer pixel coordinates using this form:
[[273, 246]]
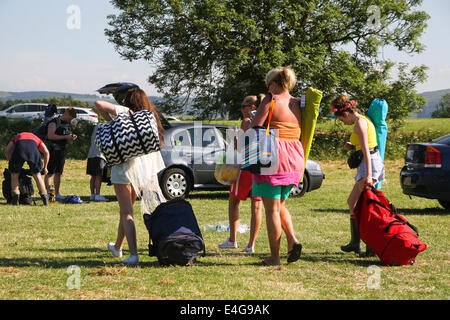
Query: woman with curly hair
[[370, 170]]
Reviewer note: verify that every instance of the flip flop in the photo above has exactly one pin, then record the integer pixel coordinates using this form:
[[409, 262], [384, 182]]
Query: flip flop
[[295, 253]]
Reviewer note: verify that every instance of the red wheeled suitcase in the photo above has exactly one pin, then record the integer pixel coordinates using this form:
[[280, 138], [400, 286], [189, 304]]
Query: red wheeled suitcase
[[394, 240]]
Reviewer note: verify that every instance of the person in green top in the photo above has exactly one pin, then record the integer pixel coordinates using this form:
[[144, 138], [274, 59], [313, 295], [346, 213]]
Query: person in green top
[[370, 170]]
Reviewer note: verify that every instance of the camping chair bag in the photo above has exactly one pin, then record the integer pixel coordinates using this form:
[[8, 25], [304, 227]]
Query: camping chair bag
[[128, 136]]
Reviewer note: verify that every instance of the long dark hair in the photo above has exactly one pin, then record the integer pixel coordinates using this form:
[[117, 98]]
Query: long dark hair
[[137, 100]]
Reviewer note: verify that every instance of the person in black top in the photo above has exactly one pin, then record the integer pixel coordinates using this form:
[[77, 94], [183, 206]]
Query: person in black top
[[58, 134]]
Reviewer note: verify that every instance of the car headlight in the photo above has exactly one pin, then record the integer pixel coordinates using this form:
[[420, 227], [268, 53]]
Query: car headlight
[[315, 166]]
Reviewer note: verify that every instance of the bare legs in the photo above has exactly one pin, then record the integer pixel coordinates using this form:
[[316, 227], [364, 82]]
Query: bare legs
[[37, 178], [233, 216], [56, 182], [256, 220], [95, 184], [126, 198], [278, 218], [40, 183], [354, 195]]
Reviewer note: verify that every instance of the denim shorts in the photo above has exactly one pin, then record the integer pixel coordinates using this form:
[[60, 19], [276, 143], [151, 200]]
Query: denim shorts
[[378, 173]]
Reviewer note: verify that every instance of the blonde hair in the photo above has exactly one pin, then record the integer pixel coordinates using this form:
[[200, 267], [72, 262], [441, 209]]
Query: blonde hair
[[283, 77], [249, 100]]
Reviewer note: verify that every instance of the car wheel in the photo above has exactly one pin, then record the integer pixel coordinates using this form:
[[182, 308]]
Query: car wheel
[[175, 183], [445, 204], [300, 190]]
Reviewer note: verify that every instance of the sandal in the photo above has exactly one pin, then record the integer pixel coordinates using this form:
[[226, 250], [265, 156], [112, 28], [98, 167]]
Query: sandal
[[295, 253]]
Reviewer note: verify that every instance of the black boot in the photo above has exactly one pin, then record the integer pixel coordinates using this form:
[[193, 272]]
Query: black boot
[[368, 254], [44, 198], [15, 198], [354, 244]]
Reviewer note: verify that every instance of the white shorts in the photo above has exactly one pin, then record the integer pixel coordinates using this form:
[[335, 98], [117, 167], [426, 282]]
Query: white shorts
[[118, 175]]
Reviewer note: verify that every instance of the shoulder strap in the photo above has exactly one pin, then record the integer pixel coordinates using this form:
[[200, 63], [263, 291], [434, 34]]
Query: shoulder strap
[[138, 133], [272, 104]]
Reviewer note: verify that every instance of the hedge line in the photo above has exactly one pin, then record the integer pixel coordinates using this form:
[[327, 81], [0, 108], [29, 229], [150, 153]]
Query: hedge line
[[327, 145], [77, 149]]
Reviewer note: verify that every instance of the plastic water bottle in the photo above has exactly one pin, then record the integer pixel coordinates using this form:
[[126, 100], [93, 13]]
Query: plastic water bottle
[[222, 228], [208, 227], [243, 228]]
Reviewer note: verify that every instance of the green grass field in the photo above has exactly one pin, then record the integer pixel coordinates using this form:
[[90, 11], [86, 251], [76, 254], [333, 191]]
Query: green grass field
[[40, 244]]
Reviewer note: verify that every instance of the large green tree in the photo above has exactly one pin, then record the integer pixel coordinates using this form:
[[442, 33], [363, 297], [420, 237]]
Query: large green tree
[[215, 52]]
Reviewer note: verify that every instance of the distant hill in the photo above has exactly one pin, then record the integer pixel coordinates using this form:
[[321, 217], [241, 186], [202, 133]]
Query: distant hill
[[433, 98]]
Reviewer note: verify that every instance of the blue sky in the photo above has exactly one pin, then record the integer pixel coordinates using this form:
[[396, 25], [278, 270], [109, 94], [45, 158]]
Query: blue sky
[[39, 52]]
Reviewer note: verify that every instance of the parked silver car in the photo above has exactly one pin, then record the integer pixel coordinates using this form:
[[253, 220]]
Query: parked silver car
[[83, 114], [190, 153], [25, 111]]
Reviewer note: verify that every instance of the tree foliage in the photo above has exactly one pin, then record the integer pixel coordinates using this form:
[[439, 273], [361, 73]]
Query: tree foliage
[[215, 52], [443, 110]]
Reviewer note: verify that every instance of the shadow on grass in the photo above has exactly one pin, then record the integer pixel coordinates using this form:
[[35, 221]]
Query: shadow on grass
[[427, 211], [95, 260], [209, 196], [339, 257], [331, 210], [98, 261]]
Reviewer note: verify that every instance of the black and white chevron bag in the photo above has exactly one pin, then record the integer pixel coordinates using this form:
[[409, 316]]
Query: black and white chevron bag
[[128, 136]]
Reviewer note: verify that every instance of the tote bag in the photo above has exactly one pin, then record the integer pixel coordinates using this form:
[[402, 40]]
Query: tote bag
[[260, 154], [128, 136]]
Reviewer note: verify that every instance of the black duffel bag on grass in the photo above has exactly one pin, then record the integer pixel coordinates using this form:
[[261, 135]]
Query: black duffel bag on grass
[[175, 238]]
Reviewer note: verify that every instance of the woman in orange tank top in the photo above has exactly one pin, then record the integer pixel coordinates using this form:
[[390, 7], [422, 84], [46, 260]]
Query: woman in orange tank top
[[275, 189]]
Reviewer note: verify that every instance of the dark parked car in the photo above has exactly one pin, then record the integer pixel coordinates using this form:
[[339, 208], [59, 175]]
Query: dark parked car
[[191, 165], [427, 170]]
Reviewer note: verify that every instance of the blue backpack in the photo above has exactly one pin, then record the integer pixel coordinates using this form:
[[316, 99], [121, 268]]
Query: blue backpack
[[377, 113], [175, 238]]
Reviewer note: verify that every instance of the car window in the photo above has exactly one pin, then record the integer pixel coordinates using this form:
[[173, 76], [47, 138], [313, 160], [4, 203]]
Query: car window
[[34, 108], [223, 132], [182, 138], [61, 110], [443, 140], [19, 109], [206, 138], [80, 111], [210, 139]]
